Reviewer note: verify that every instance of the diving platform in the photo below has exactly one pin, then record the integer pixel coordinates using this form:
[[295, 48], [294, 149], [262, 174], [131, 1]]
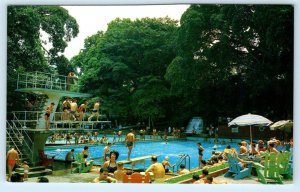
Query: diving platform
[[61, 93], [46, 83], [31, 125]]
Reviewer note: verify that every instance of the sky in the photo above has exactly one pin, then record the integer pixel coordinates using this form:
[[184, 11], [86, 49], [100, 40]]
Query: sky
[[95, 18]]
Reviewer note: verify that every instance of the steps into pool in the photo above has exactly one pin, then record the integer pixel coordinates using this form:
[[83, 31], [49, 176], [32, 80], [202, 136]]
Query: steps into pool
[[35, 171]]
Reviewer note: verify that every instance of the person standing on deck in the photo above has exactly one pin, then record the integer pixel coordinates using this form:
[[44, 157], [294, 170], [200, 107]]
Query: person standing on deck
[[68, 139], [154, 133], [71, 79], [81, 111], [65, 115], [74, 108], [170, 130], [106, 149], [119, 135], [26, 170], [200, 153], [95, 111], [85, 152], [12, 158], [49, 110], [114, 137], [129, 142]]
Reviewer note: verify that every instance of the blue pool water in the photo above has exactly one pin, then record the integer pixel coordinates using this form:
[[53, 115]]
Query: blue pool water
[[172, 149]]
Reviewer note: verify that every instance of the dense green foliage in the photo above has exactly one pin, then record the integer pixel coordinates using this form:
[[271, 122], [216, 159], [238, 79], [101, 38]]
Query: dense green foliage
[[27, 52], [233, 60], [125, 67], [221, 61]]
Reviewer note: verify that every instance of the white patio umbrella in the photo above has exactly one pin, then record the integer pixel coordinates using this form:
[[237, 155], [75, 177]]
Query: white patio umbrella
[[285, 125], [250, 119]]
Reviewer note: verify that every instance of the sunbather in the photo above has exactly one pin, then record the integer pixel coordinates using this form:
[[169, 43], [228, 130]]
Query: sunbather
[[156, 168]]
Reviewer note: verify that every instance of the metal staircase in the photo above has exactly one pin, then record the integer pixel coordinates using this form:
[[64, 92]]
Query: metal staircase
[[19, 139]]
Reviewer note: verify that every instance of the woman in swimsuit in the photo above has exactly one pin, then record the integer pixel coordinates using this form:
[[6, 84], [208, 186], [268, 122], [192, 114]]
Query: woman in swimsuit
[[85, 153], [111, 165], [200, 152]]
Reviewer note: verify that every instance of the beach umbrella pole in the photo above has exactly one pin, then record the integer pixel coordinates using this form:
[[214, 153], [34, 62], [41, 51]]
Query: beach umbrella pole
[[250, 135]]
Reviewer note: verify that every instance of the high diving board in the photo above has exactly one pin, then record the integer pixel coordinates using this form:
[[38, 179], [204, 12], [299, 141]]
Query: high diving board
[[61, 93], [137, 160]]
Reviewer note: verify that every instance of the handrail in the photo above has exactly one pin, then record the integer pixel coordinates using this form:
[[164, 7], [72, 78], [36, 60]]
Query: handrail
[[23, 131], [27, 115], [183, 157], [47, 81], [12, 140]]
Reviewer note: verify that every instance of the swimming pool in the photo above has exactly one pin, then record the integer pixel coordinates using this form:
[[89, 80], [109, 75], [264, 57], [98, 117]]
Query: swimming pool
[[172, 149]]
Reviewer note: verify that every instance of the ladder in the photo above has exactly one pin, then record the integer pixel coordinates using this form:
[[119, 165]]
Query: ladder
[[182, 158]]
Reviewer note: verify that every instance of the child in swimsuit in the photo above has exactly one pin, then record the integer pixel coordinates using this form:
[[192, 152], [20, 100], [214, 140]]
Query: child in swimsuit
[[26, 170]]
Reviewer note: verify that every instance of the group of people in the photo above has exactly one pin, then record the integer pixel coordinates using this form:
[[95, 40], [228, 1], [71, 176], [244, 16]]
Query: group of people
[[112, 171], [71, 111], [252, 150], [204, 178]]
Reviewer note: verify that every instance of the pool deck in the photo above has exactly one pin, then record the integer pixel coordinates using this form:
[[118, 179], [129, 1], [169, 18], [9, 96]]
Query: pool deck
[[65, 176]]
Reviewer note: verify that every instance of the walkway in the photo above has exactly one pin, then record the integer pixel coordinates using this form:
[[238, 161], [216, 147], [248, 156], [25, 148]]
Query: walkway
[[65, 176]]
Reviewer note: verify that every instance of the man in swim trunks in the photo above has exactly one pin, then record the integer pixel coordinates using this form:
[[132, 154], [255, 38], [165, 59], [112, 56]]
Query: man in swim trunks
[[129, 142], [103, 177], [49, 110], [12, 158], [107, 152], [95, 111], [74, 108], [119, 135], [156, 168]]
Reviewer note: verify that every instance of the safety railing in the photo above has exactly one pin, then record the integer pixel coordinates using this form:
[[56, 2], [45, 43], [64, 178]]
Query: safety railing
[[47, 81], [27, 116], [60, 119]]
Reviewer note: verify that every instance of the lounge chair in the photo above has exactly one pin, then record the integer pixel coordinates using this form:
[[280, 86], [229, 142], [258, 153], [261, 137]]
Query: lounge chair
[[235, 168], [81, 166], [45, 160], [284, 164], [270, 170]]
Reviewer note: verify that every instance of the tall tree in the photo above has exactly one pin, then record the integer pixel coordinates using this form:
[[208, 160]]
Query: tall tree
[[235, 59], [125, 66], [26, 50]]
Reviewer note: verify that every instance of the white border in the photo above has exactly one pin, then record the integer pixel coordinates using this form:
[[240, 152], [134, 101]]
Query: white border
[[74, 187]]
